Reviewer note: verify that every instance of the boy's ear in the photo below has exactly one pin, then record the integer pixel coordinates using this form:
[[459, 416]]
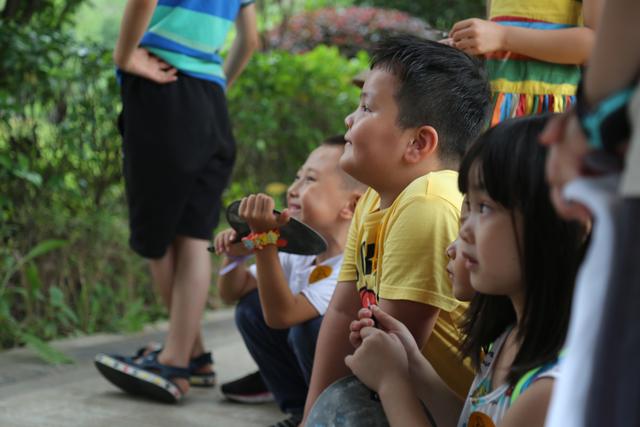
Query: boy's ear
[[424, 144], [350, 207]]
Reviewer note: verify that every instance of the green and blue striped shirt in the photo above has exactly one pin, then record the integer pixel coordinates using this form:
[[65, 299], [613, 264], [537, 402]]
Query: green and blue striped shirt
[[188, 34]]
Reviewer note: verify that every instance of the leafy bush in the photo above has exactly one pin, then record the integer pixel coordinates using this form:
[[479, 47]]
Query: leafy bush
[[60, 181], [282, 106], [350, 29]]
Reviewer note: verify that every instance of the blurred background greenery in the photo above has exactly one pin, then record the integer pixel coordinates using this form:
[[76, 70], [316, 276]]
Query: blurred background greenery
[[65, 266]]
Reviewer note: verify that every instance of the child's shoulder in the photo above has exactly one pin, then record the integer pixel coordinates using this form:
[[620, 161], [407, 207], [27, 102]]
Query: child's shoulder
[[439, 186]]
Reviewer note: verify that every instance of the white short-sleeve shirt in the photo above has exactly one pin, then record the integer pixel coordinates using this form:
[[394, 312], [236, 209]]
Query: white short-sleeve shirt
[[297, 270]]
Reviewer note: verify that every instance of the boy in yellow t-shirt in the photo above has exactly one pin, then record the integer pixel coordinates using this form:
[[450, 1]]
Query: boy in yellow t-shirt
[[421, 104]]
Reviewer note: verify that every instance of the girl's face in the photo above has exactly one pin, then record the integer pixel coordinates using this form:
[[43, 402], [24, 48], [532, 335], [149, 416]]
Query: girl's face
[[489, 245], [458, 274]]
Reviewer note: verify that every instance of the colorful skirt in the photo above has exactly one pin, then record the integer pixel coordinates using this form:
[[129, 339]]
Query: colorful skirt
[[508, 105]]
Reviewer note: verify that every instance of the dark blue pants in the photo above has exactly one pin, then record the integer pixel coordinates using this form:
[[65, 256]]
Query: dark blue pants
[[284, 356]]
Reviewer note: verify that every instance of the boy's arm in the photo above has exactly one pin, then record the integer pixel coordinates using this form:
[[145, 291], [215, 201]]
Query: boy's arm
[[236, 283], [565, 46], [128, 56], [245, 42], [418, 318], [280, 307], [333, 342]]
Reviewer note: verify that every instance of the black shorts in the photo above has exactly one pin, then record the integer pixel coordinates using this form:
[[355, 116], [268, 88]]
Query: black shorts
[[178, 154]]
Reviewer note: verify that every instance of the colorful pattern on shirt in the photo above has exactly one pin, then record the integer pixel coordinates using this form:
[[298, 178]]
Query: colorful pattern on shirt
[[188, 34], [485, 405], [522, 85]]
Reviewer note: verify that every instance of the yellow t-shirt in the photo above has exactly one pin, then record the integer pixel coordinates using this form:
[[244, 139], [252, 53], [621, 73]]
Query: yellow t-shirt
[[398, 253]]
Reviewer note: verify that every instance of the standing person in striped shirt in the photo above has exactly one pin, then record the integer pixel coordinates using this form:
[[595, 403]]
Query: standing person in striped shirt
[[178, 154], [533, 50]]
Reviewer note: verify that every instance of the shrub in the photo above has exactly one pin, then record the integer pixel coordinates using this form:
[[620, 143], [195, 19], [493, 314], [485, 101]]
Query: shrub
[[284, 105], [64, 262], [350, 29]]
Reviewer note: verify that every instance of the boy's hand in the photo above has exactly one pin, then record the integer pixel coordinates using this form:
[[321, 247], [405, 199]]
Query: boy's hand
[[448, 41], [257, 210], [144, 64], [365, 319], [380, 359], [393, 326], [223, 244], [478, 36]]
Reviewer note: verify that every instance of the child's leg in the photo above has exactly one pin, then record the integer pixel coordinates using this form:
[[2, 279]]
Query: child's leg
[[188, 298], [163, 272], [302, 340], [269, 349]]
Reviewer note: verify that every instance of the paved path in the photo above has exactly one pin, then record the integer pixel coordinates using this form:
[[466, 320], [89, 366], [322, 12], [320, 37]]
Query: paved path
[[34, 394]]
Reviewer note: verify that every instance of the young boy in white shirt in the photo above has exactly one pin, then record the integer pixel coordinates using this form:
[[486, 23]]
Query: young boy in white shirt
[[282, 297]]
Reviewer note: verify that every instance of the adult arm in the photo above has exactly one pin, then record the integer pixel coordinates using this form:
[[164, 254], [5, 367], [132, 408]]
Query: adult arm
[[333, 342], [564, 46], [245, 42]]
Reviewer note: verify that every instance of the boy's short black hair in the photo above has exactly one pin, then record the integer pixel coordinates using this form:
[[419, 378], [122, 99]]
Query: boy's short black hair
[[439, 86]]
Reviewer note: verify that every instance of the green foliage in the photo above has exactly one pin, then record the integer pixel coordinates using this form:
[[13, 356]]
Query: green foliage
[[65, 267], [99, 21], [49, 14], [283, 106], [440, 13]]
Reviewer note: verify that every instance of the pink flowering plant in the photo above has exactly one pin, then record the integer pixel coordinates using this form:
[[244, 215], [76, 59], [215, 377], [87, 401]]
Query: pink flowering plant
[[350, 29]]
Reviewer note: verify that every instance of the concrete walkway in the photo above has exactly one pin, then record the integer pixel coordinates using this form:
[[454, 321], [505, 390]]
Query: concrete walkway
[[34, 394]]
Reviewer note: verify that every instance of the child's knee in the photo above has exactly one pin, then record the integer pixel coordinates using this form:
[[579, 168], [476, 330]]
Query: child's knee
[[248, 311], [302, 338]]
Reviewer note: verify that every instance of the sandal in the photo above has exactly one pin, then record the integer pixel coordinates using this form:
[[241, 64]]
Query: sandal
[[197, 379], [201, 379], [146, 376]]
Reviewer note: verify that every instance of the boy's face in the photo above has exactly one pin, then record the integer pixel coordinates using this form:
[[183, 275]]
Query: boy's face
[[375, 143], [318, 194]]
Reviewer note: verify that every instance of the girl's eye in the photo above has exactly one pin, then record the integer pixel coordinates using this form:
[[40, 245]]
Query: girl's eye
[[365, 108], [484, 208], [297, 177], [310, 179]]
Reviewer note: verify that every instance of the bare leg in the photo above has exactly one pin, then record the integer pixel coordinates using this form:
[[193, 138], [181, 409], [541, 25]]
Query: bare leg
[[163, 272], [188, 298]]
